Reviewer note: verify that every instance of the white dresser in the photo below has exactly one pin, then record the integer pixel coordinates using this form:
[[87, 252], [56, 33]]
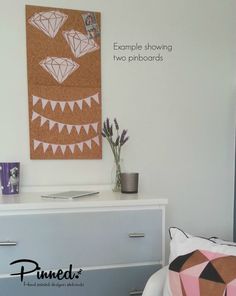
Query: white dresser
[[116, 239]]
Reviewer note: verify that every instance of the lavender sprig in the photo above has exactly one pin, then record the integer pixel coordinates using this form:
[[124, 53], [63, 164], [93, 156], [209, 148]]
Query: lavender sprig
[[125, 140], [116, 124], [116, 143]]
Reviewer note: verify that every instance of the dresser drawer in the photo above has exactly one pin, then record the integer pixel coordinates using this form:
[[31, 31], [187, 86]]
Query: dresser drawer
[[128, 281], [82, 239]]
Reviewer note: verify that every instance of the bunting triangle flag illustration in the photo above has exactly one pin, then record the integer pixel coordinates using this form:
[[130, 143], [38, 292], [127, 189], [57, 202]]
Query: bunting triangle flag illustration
[[87, 127], [63, 147], [80, 104], [62, 105], [81, 146], [45, 146], [60, 126], [51, 124], [88, 143], [34, 115], [54, 148], [96, 98], [35, 100], [44, 103], [96, 140], [69, 128], [53, 104], [71, 104], [88, 101], [43, 120], [72, 148], [36, 144]]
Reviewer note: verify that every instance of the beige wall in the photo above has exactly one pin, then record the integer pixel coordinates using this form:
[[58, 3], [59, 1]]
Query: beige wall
[[180, 112]]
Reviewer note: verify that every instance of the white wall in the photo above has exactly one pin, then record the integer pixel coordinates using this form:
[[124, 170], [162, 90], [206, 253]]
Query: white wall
[[180, 113]]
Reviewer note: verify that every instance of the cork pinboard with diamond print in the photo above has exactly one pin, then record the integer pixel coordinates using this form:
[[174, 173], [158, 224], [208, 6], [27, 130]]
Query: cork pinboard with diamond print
[[64, 83]]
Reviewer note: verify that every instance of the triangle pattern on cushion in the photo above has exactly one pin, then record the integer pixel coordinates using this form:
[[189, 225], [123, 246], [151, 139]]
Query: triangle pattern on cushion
[[231, 288], [195, 271], [182, 287], [197, 258], [211, 274], [178, 262], [211, 255], [226, 268], [190, 284], [175, 283]]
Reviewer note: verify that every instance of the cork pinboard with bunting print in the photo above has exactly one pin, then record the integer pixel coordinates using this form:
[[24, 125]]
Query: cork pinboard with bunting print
[[64, 83]]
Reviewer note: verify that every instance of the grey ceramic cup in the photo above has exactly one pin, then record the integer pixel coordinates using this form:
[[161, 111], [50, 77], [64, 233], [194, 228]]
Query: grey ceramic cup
[[129, 182]]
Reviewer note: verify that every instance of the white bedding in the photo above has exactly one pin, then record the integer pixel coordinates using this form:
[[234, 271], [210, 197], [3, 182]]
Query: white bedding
[[155, 284]]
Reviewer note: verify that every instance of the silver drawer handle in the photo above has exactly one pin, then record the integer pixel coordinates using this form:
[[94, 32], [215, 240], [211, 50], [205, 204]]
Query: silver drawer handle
[[8, 244], [136, 234], [133, 293]]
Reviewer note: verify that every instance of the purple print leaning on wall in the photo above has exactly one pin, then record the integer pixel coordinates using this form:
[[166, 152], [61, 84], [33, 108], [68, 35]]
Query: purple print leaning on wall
[[10, 177]]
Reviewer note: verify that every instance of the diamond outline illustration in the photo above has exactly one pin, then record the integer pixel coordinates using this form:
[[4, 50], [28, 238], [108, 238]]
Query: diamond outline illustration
[[59, 68], [49, 22], [79, 43]]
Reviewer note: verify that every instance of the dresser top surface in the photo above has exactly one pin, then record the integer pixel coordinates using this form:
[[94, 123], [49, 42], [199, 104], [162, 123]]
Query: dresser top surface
[[35, 201]]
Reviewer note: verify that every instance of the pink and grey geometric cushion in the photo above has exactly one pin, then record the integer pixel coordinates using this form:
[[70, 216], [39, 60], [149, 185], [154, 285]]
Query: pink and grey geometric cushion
[[203, 273]]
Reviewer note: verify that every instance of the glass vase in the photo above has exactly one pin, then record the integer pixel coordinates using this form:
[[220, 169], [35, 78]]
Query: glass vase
[[116, 176]]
